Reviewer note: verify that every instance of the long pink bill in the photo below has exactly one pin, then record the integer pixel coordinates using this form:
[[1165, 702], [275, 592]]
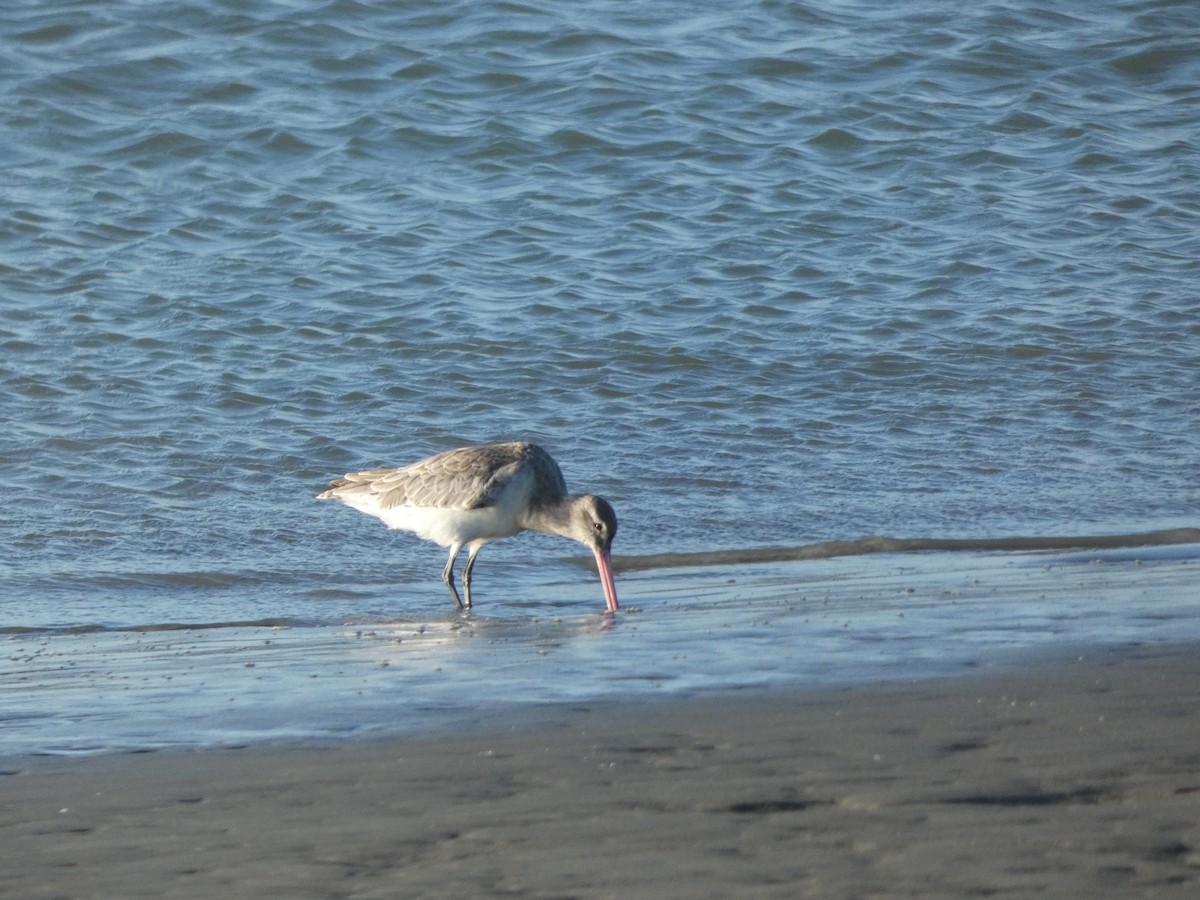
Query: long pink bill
[[604, 565]]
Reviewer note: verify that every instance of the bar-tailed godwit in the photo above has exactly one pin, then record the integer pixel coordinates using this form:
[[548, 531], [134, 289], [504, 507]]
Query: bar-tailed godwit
[[475, 495]]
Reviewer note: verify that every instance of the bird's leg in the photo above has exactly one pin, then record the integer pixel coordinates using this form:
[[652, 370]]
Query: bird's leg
[[467, 573], [448, 576]]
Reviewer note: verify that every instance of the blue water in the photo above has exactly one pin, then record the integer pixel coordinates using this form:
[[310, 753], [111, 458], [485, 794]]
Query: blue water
[[762, 275]]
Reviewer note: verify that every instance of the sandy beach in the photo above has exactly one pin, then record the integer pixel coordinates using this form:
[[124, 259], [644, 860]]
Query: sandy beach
[[1078, 776]]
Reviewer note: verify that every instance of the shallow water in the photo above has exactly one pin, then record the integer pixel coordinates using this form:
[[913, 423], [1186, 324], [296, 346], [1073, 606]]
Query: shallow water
[[764, 275], [811, 624]]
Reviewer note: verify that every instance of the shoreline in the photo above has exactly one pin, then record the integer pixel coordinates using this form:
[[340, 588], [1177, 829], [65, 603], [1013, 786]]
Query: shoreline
[[881, 544], [791, 626], [1071, 777]]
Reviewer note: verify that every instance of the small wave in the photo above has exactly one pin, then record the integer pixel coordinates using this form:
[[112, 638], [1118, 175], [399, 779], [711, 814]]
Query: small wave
[[880, 544]]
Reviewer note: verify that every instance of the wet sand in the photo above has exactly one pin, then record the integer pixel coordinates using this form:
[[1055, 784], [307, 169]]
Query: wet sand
[[1076, 777]]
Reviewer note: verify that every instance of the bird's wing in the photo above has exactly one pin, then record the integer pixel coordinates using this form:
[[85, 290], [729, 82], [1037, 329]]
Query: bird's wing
[[468, 478], [457, 479]]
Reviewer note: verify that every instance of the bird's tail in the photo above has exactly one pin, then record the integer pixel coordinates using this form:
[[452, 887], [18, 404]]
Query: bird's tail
[[334, 486]]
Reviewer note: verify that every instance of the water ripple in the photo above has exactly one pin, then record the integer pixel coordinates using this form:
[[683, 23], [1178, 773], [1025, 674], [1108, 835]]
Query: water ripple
[[763, 274]]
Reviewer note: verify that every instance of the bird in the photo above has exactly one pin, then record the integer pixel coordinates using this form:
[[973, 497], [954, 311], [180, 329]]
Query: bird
[[472, 496]]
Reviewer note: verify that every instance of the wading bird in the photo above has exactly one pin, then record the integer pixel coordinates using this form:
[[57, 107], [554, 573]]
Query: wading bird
[[475, 495]]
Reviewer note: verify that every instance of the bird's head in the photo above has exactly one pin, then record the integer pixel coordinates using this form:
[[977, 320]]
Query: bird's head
[[594, 524]]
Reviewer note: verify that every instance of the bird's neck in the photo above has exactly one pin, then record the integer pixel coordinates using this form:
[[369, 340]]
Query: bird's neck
[[552, 518]]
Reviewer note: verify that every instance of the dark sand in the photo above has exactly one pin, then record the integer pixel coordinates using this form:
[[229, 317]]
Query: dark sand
[[1074, 778]]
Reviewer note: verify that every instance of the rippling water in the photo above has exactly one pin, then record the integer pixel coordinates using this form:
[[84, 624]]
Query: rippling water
[[762, 274]]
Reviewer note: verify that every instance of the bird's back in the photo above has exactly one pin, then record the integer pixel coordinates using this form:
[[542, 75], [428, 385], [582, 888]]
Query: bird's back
[[466, 478]]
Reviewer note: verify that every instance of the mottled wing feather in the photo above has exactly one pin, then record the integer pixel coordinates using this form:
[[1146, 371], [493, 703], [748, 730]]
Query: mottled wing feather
[[447, 489], [469, 478]]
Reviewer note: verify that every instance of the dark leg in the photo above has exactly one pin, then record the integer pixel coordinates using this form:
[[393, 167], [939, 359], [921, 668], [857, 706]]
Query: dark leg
[[448, 576], [467, 574]]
